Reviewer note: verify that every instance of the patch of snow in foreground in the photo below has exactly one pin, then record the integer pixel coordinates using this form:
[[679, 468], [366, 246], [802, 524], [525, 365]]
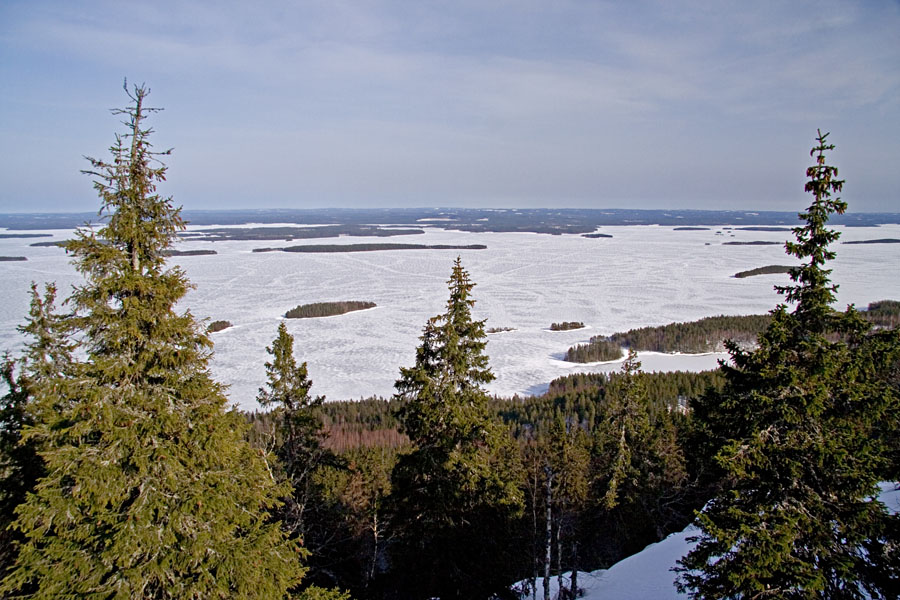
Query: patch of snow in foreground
[[647, 575]]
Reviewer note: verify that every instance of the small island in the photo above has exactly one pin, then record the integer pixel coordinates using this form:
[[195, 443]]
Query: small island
[[12, 258], [189, 252], [595, 236], [490, 330], [566, 326], [760, 228], [218, 326], [878, 241], [326, 309], [691, 229], [767, 270], [756, 243]]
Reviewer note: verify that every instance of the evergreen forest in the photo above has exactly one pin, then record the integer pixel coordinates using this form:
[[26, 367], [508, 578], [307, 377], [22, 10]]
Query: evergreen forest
[[124, 473]]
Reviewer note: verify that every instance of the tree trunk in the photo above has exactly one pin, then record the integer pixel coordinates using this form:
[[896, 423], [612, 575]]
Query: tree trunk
[[559, 570], [573, 590], [548, 540]]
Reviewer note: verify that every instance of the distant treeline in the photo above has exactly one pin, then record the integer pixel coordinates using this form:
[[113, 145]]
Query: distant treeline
[[767, 270], [372, 422], [326, 309], [368, 247]]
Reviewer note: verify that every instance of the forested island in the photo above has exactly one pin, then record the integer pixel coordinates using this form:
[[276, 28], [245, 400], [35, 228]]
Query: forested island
[[566, 326], [217, 326], [189, 253], [704, 335], [767, 270], [12, 258], [878, 241], [326, 309], [754, 243]]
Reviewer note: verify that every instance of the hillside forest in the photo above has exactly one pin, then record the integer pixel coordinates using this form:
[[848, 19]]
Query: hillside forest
[[126, 475]]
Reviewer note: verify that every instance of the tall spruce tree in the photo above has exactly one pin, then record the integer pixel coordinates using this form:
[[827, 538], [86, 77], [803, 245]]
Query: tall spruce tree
[[457, 490], [298, 445], [298, 434], [150, 490], [799, 445]]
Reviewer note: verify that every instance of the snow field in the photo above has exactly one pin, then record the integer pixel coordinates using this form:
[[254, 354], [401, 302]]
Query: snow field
[[644, 275]]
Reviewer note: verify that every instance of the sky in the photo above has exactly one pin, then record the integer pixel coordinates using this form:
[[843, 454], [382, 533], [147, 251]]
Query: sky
[[471, 103]]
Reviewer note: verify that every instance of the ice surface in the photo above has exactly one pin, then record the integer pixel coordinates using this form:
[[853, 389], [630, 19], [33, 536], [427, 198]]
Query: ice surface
[[643, 275]]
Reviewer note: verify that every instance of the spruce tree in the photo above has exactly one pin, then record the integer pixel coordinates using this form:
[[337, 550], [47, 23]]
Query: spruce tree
[[639, 469], [799, 446], [457, 490], [47, 353], [150, 490], [297, 441]]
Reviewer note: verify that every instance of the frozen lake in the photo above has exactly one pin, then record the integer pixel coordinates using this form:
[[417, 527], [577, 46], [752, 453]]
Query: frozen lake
[[643, 275]]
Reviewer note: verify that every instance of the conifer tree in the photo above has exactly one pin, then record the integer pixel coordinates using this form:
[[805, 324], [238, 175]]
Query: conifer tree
[[150, 490], [298, 435], [638, 465], [797, 431], [458, 487], [47, 354]]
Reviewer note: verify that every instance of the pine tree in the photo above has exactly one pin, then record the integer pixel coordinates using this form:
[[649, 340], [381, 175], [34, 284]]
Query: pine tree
[[796, 428], [150, 490], [458, 488]]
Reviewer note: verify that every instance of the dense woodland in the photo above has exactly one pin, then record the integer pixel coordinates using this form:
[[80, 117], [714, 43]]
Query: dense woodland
[[125, 475]]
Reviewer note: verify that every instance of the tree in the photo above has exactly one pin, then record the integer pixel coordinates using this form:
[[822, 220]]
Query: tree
[[298, 428], [150, 490], [298, 436], [46, 354], [457, 490], [566, 461], [638, 466], [798, 443]]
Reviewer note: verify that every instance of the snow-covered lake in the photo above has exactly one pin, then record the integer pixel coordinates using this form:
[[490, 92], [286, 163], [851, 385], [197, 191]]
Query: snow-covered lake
[[643, 275]]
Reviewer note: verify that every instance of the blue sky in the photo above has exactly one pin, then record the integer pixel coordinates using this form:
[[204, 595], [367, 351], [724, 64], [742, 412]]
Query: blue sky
[[467, 103]]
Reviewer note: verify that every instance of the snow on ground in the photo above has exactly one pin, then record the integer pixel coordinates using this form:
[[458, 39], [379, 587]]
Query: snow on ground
[[647, 575], [643, 275]]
